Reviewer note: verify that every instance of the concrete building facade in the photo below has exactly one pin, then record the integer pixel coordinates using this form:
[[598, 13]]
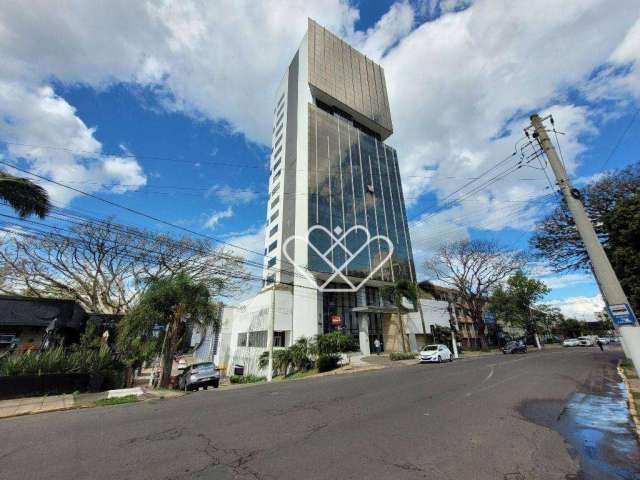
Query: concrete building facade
[[336, 217]]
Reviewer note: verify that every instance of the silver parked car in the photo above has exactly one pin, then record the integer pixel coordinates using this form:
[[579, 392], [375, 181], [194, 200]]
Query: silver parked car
[[199, 375]]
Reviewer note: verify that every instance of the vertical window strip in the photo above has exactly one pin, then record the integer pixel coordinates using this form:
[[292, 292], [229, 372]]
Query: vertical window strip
[[353, 188], [364, 195], [404, 214], [375, 215], [384, 207], [393, 208]]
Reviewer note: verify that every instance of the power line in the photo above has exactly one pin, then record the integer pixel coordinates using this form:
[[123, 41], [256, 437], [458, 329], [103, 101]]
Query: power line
[[620, 138]]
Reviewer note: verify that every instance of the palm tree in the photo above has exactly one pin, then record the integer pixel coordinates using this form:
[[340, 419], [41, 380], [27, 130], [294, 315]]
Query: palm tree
[[24, 196], [395, 293], [171, 302]]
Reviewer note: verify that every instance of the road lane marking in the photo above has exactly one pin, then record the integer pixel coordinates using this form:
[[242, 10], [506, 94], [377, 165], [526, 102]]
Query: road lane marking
[[488, 376]]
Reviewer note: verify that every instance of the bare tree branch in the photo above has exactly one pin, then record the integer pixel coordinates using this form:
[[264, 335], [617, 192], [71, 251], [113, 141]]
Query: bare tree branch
[[474, 268], [104, 266]]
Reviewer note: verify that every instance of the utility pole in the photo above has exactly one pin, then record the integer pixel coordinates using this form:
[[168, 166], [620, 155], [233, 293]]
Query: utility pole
[[453, 320], [535, 329], [272, 322], [614, 297]]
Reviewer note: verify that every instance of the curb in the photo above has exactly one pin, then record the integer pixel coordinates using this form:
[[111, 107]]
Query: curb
[[633, 407]]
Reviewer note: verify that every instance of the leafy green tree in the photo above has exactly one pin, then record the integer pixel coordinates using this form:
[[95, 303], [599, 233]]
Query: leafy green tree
[[441, 335], [334, 342], [570, 327], [282, 361], [171, 302], [547, 317], [24, 196], [513, 302], [395, 294], [622, 225], [556, 238]]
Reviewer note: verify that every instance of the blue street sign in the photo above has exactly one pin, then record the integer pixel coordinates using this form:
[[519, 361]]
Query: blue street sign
[[489, 318], [622, 314]]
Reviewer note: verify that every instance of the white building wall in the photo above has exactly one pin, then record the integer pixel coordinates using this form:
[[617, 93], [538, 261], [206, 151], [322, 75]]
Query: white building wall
[[435, 313], [307, 306], [254, 315]]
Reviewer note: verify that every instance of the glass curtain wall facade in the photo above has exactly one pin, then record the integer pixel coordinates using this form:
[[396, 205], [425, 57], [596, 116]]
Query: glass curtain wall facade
[[354, 180]]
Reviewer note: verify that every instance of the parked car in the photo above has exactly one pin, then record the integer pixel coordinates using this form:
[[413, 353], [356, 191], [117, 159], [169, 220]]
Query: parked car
[[586, 341], [199, 375], [604, 340], [517, 346], [435, 353], [571, 342]]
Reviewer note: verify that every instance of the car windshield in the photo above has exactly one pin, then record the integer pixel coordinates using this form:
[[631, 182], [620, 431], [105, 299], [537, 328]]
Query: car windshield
[[202, 366], [430, 348]]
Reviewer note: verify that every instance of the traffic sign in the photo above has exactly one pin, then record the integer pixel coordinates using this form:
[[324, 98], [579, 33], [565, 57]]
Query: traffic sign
[[622, 314]]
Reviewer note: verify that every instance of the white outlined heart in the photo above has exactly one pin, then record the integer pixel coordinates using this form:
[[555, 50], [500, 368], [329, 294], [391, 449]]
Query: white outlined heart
[[338, 271]]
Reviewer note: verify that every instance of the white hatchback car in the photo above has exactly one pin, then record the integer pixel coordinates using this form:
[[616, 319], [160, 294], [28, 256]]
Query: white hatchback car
[[435, 353]]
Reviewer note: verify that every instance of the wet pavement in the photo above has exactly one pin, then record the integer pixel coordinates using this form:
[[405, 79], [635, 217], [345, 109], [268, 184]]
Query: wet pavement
[[599, 428]]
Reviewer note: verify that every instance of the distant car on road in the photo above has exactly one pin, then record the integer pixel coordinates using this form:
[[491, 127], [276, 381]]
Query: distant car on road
[[571, 342], [516, 346], [435, 353], [587, 341], [199, 375]]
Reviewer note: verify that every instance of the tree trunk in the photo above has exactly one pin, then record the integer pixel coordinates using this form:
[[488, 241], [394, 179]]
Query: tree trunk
[[169, 352], [535, 335]]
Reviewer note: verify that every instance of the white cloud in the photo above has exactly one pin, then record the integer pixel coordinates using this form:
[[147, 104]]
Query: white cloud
[[221, 61], [460, 85], [569, 280], [232, 195], [461, 88], [38, 116], [214, 218], [249, 245], [388, 31], [580, 308]]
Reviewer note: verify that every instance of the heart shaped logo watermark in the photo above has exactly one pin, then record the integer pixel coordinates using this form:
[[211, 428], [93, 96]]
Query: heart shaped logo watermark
[[338, 242]]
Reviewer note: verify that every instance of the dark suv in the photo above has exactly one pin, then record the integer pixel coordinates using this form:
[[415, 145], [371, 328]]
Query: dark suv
[[517, 346], [199, 375]]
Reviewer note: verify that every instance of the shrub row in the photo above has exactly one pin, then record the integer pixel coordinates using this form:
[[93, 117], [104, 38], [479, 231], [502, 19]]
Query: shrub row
[[327, 362], [56, 361], [246, 379], [393, 356]]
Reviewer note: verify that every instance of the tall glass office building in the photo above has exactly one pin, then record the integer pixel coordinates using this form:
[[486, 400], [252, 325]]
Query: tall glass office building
[[330, 167]]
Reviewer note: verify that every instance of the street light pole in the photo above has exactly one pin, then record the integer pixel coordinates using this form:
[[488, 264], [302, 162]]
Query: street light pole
[[606, 278], [272, 322]]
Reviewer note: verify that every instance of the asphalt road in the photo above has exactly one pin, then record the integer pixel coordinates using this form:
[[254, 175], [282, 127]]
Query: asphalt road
[[472, 419]]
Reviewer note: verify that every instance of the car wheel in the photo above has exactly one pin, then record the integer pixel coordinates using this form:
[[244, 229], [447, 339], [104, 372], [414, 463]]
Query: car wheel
[[216, 384], [450, 358], [439, 359], [205, 387]]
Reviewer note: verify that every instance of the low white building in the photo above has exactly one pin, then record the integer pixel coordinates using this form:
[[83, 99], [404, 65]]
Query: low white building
[[244, 327], [243, 333]]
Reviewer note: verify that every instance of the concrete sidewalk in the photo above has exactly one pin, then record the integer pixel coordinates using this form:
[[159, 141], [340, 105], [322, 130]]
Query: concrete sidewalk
[[24, 406], [52, 403]]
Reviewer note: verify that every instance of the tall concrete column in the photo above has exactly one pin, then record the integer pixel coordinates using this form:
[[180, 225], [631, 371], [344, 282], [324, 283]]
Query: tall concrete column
[[363, 323], [363, 334], [413, 344]]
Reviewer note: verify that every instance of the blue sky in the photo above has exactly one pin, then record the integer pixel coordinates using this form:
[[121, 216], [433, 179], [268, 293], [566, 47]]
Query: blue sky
[[166, 107]]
